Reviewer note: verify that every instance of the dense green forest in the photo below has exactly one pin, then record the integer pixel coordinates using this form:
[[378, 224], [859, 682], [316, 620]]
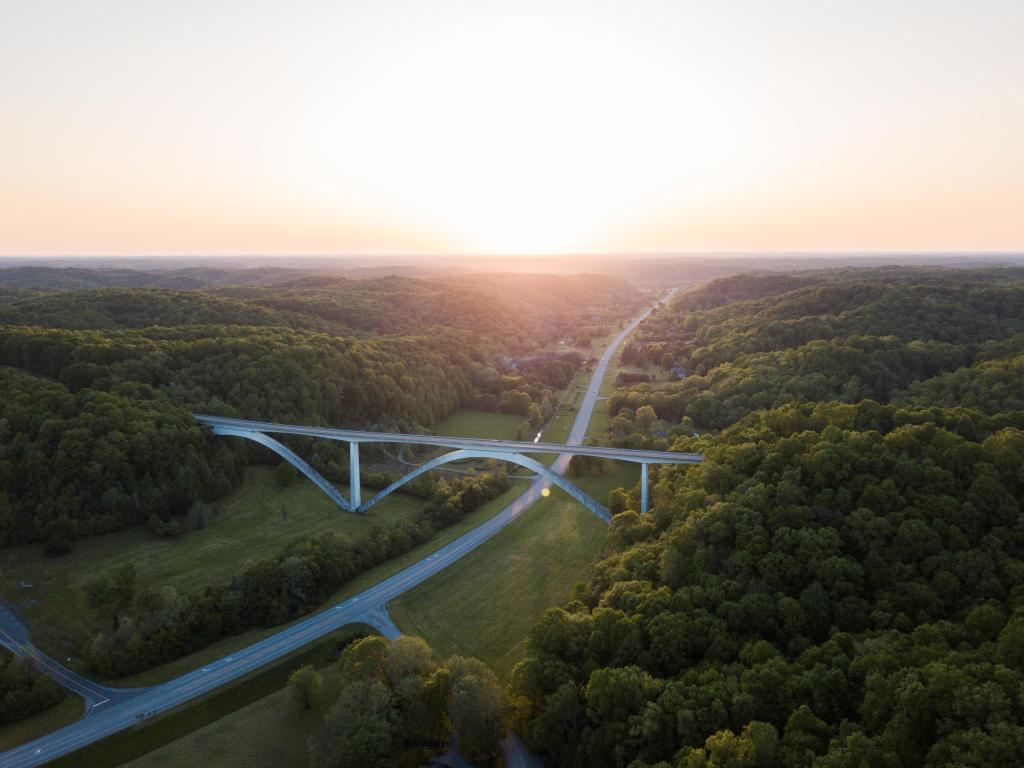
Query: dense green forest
[[847, 335], [23, 690], [841, 582], [97, 385], [397, 706]]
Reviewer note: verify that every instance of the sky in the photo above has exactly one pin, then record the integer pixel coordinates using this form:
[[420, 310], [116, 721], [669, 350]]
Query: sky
[[403, 126]]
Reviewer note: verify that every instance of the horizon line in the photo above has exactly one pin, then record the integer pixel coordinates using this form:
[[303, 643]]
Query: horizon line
[[527, 256]]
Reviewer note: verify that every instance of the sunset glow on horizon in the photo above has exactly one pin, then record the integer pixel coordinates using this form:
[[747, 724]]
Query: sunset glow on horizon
[[490, 127]]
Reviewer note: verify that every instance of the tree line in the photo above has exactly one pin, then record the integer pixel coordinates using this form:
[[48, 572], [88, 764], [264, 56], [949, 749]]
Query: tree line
[[97, 387], [98, 431], [398, 705], [142, 626], [839, 583], [23, 690]]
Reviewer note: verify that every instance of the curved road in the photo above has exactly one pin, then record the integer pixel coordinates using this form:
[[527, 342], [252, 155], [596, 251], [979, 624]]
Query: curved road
[[367, 607], [14, 637]]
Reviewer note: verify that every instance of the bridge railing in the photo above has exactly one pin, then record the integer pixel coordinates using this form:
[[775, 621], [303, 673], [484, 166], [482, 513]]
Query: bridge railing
[[465, 448]]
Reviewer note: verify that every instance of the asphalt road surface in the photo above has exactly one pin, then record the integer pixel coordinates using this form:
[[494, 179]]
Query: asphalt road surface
[[517, 446], [366, 607], [14, 637]]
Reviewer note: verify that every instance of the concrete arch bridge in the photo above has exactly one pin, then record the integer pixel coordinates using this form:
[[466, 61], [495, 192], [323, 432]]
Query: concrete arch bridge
[[513, 451]]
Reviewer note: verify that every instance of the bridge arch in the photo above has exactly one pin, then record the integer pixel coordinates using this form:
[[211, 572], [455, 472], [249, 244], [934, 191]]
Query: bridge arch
[[292, 458], [516, 458]]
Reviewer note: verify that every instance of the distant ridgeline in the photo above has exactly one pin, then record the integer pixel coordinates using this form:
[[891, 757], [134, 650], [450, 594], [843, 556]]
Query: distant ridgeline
[[97, 384], [841, 582]]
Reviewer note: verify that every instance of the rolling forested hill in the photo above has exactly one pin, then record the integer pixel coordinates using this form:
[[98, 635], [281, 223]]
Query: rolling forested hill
[[97, 385], [841, 582], [80, 278]]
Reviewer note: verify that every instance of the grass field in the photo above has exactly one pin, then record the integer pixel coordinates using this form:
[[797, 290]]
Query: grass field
[[130, 744], [599, 420], [41, 723], [557, 430], [485, 605], [57, 717], [271, 731], [467, 423], [245, 525], [620, 474], [504, 426], [249, 723], [567, 404], [354, 587]]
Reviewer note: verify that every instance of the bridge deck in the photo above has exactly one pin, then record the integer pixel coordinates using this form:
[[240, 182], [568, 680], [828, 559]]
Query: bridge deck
[[515, 446]]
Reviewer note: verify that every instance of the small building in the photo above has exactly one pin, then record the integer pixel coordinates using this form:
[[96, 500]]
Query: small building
[[679, 372], [25, 584]]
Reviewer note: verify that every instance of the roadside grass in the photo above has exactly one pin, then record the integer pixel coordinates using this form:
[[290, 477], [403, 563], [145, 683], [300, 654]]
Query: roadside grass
[[485, 605], [182, 736], [365, 580], [186, 721], [599, 420], [468, 423], [245, 525], [41, 723], [505, 426], [568, 402], [271, 731], [619, 474], [557, 430]]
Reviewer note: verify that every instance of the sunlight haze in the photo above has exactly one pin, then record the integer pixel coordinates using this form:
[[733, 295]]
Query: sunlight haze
[[459, 127]]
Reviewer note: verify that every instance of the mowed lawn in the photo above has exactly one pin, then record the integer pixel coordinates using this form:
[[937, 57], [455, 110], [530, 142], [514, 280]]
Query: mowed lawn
[[360, 583], [467, 423], [272, 731], [618, 474], [599, 420], [484, 605], [248, 524]]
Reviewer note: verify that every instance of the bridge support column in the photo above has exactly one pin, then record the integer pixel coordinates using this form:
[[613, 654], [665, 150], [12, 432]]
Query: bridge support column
[[355, 493], [643, 488]]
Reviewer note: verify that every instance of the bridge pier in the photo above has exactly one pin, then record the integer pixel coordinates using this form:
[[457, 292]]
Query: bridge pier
[[292, 458], [516, 458], [643, 488], [355, 493], [465, 447]]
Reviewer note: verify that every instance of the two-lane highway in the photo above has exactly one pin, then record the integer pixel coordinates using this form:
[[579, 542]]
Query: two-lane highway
[[366, 607]]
